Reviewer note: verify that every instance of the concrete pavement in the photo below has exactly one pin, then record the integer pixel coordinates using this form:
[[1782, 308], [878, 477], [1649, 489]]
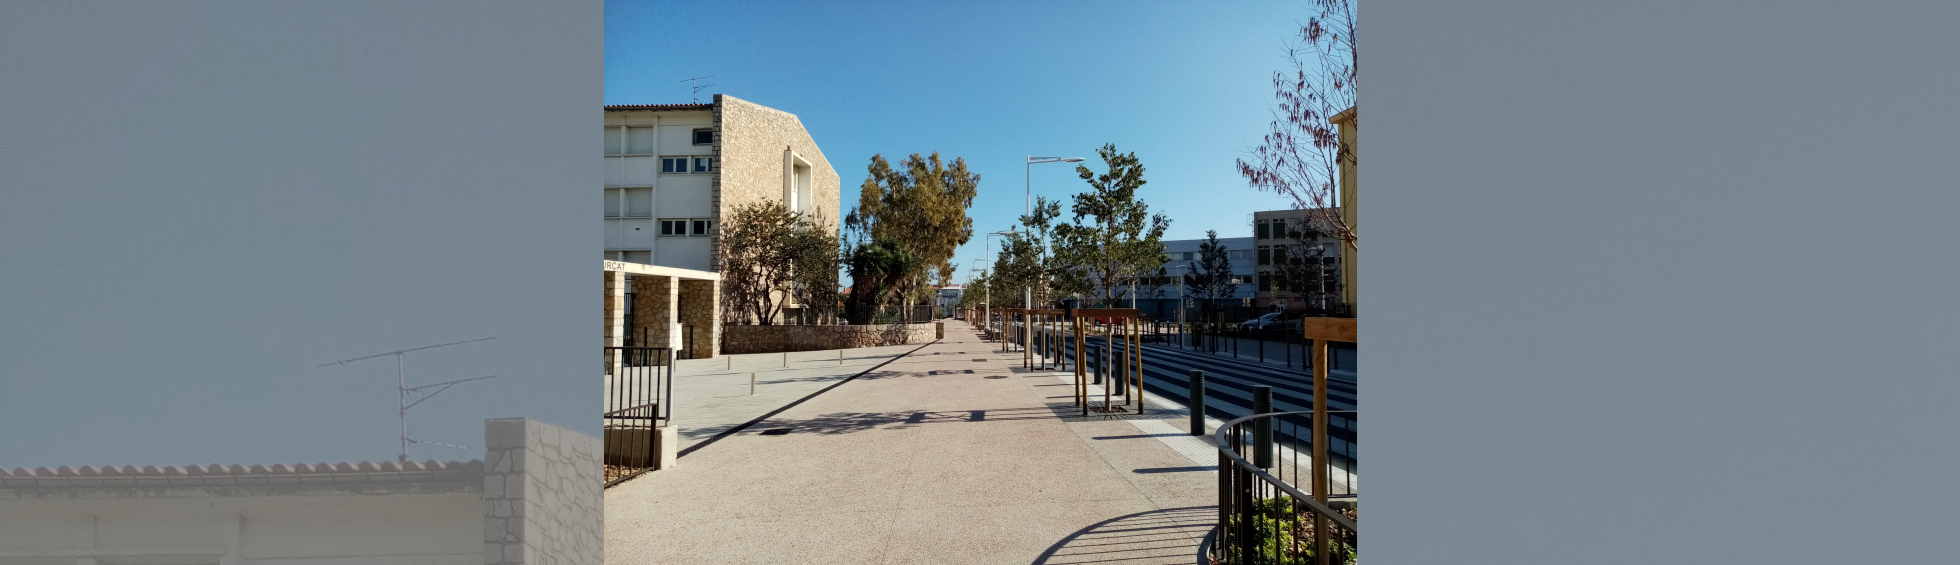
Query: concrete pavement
[[949, 454]]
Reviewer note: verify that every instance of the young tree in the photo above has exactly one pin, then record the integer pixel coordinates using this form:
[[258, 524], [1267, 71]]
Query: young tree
[[1302, 267], [755, 261], [1211, 274], [919, 207], [814, 256], [1121, 242], [1302, 155]]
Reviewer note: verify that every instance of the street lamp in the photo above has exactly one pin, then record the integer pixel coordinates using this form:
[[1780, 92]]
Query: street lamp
[[1027, 172]]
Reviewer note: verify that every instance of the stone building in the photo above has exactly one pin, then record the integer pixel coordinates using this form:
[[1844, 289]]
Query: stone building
[[673, 172], [535, 497]]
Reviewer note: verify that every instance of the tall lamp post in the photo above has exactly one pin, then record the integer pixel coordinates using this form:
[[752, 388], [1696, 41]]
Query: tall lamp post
[[1027, 172]]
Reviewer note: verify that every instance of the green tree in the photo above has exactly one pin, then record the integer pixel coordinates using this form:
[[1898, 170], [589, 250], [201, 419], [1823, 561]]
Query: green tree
[[755, 259], [878, 272], [814, 257], [1121, 240], [919, 207]]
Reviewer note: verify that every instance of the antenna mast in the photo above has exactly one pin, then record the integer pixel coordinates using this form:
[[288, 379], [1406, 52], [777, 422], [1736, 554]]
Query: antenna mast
[[697, 86], [401, 385]]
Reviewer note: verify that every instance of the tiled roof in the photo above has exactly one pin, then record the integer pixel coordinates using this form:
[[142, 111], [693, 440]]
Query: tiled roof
[[662, 107], [236, 475]]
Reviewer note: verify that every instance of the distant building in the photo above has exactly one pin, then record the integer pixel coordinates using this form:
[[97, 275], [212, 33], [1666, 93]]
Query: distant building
[[1274, 244], [949, 299]]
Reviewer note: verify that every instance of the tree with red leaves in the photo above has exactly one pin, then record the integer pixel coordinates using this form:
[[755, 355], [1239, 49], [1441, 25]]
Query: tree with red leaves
[[1302, 156]]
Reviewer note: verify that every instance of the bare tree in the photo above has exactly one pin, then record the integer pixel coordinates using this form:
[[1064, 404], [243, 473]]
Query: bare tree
[[1302, 156]]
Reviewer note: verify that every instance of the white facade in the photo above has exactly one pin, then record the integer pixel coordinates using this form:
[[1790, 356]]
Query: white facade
[[659, 204], [1184, 252]]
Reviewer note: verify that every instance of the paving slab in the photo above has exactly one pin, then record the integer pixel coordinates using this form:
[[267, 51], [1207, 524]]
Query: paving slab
[[922, 461]]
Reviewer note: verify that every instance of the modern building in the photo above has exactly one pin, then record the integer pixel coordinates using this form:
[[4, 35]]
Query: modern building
[[1274, 243], [1349, 206], [1182, 254], [535, 498], [673, 173]]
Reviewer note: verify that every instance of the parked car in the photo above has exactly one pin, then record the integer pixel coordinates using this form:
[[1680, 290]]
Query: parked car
[[1268, 321]]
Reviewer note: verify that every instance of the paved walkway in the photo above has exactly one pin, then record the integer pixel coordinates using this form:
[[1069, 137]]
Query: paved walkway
[[950, 454]]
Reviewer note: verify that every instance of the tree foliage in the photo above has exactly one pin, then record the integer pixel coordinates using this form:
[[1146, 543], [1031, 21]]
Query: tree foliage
[[755, 261], [1301, 266], [814, 254], [1302, 155], [878, 274], [918, 207], [1120, 241], [1211, 275]]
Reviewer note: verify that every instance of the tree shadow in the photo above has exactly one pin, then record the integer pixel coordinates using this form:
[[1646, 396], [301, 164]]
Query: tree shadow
[[1171, 535]]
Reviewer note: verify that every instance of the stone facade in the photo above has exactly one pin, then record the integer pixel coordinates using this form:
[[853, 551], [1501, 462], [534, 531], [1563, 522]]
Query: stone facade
[[542, 491], [772, 339], [749, 143], [655, 301], [705, 340]]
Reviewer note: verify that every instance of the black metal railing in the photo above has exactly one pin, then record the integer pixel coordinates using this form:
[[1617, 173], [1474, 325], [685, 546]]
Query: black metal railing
[[637, 405], [1264, 517]]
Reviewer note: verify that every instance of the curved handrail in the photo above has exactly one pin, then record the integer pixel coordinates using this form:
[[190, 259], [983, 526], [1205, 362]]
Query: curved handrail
[[1219, 441]]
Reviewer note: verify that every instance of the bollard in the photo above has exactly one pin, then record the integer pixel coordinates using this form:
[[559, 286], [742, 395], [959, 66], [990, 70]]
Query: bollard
[[840, 357], [1262, 429], [785, 358], [751, 384], [1197, 402]]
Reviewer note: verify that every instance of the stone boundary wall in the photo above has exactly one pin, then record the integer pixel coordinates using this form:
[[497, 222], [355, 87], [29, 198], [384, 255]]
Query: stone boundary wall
[[773, 339], [542, 492]]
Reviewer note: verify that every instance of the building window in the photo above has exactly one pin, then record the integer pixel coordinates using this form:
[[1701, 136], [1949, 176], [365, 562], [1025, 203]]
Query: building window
[[1263, 230], [1265, 255], [687, 227], [704, 136], [682, 165], [673, 227], [701, 227]]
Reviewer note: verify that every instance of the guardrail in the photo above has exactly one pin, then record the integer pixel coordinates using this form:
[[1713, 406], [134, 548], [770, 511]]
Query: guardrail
[[1263, 517]]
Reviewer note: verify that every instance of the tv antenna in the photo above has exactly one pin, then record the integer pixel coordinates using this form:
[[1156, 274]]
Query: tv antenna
[[697, 86], [401, 384]]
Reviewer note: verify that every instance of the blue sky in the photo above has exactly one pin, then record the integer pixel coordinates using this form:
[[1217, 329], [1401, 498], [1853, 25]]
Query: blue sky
[[1185, 86]]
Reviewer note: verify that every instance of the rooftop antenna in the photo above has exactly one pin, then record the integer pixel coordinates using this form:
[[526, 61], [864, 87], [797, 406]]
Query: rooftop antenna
[[695, 83], [401, 384]]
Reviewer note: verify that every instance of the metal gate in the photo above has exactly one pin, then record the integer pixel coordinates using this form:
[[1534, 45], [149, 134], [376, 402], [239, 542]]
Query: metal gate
[[637, 405]]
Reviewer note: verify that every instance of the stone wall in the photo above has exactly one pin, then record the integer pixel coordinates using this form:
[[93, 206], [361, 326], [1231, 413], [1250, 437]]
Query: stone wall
[[772, 339], [542, 493]]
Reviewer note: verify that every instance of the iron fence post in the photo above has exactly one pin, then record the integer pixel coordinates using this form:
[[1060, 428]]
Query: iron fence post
[[1262, 429]]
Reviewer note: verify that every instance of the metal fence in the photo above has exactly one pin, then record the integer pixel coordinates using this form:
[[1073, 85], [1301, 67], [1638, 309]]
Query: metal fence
[[1264, 517], [637, 404]]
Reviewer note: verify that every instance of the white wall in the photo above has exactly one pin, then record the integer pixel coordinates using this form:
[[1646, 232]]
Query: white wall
[[348, 529]]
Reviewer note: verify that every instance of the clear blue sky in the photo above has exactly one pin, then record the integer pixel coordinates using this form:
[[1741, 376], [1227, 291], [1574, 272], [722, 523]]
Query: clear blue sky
[[1185, 86]]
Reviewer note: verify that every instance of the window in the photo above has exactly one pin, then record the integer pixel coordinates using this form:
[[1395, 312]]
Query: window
[[680, 165], [1265, 255], [1241, 254], [686, 227], [1263, 229], [704, 136]]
